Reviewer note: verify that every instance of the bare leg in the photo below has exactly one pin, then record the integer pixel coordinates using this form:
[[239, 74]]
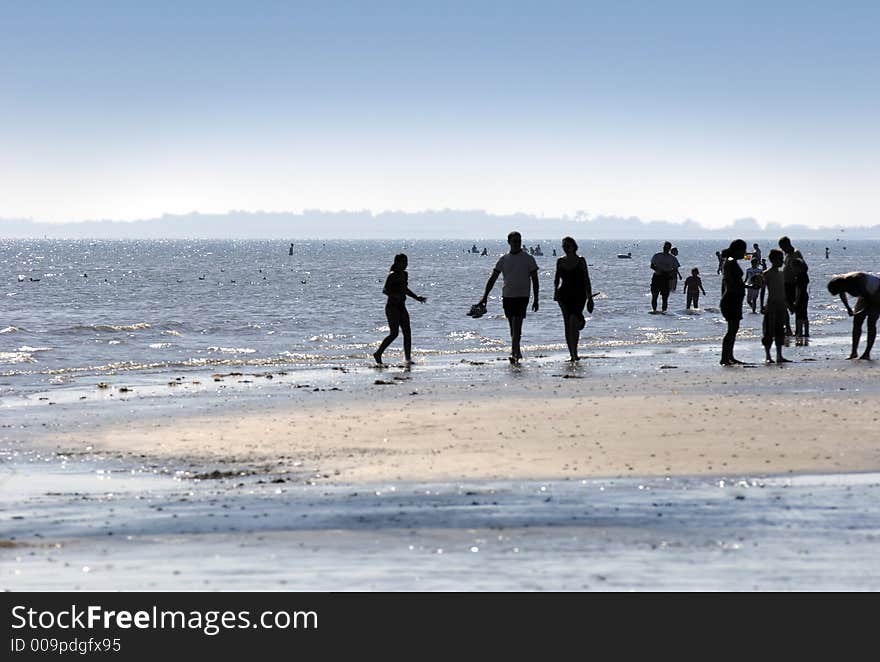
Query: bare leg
[[779, 358], [392, 314], [407, 335], [727, 343], [572, 336], [858, 320], [872, 335], [516, 326]]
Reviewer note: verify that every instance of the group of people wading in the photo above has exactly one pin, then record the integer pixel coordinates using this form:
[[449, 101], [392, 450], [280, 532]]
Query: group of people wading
[[785, 284]]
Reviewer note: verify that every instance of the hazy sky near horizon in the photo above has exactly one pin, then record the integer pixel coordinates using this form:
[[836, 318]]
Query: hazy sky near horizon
[[667, 110]]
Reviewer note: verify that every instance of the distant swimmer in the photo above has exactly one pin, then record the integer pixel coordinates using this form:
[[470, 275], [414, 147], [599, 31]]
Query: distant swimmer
[[484, 253], [866, 287], [290, 250], [397, 290], [732, 294], [720, 260], [572, 290], [519, 269], [474, 249], [827, 252], [693, 285], [625, 256], [776, 310]]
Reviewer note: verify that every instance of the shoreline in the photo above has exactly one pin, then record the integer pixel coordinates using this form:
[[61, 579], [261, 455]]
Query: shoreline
[[801, 418]]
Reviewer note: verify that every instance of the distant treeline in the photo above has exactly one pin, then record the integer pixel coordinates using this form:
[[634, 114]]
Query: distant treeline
[[441, 224]]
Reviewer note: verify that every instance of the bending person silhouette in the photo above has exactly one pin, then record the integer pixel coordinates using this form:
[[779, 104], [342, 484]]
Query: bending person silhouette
[[518, 268], [866, 287], [397, 290], [572, 291], [732, 293]]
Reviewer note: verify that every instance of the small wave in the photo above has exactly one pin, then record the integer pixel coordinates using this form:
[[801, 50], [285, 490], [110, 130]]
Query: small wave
[[16, 357], [112, 327], [171, 332], [232, 350], [327, 337], [10, 329], [160, 345], [25, 348]]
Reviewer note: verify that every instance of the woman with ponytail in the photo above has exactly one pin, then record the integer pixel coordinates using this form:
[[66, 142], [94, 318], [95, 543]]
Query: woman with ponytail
[[397, 290], [732, 293]]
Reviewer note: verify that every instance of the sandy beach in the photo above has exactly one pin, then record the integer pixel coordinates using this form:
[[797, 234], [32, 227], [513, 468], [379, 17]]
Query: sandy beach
[[550, 477], [801, 418]]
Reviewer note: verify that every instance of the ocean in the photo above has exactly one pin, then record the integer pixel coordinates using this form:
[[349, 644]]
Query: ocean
[[78, 311]]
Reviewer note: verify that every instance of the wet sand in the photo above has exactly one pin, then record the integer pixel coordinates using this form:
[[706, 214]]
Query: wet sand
[[801, 418]]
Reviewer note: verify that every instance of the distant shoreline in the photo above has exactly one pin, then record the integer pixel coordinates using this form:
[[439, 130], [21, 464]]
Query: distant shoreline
[[465, 225]]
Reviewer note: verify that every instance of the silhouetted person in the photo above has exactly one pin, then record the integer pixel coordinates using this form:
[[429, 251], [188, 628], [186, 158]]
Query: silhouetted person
[[484, 253], [866, 287], [754, 283], [776, 310], [572, 291], [397, 290], [756, 252], [693, 285], [518, 268], [290, 251], [801, 296], [732, 294], [827, 252], [720, 261], [676, 275], [794, 274], [664, 265]]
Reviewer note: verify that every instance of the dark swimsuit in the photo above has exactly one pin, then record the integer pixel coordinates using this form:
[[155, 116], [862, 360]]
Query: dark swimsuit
[[734, 291], [572, 293]]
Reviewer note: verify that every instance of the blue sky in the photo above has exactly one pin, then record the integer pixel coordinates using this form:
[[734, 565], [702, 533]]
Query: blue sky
[[663, 110]]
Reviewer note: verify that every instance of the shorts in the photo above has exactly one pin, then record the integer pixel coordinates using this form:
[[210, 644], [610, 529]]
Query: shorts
[[515, 306], [773, 327], [660, 284]]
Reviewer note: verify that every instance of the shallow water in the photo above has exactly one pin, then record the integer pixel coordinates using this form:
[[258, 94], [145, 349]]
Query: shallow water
[[76, 311], [94, 526]]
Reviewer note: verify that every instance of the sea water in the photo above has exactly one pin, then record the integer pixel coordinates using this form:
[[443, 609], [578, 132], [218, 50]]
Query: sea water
[[75, 311]]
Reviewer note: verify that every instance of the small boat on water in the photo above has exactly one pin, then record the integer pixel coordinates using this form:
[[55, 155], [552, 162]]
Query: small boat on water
[[625, 256]]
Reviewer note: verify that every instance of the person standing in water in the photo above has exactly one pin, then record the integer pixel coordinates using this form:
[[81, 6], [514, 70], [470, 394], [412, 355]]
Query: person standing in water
[[756, 252], [732, 294], [397, 290], [693, 285], [866, 287], [518, 268], [775, 311], [572, 291], [754, 282], [801, 296], [664, 266], [676, 275]]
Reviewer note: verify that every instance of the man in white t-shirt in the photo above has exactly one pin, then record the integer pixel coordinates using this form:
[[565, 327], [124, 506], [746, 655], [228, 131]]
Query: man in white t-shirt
[[519, 270]]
